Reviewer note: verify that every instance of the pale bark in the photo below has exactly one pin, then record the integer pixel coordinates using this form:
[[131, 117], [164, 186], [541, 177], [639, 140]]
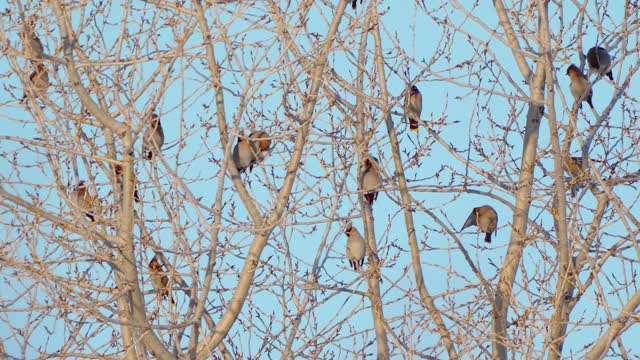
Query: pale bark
[[255, 261], [253, 256]]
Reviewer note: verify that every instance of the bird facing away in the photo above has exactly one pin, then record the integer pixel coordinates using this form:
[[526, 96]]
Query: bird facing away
[[356, 247], [38, 83], [84, 201], [31, 44], [413, 107], [243, 154], [261, 144], [153, 138], [599, 61], [578, 173], [117, 168], [371, 180], [580, 85], [160, 280], [484, 217]]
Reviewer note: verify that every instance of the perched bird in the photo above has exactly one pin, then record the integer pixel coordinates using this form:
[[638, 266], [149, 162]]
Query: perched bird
[[160, 280], [484, 217], [243, 154], [31, 44], [580, 88], [83, 200], [599, 61], [356, 247], [153, 138], [249, 151], [371, 179], [38, 83], [261, 144], [117, 168], [413, 107], [354, 5], [578, 173]]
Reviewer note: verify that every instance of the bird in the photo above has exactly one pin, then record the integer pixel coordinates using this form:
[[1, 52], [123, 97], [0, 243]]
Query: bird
[[243, 154], [117, 168], [153, 138], [354, 5], [31, 43], [484, 217], [83, 200], [38, 83], [160, 280], [579, 85], [261, 144], [356, 247], [578, 173], [599, 61], [371, 180], [413, 107]]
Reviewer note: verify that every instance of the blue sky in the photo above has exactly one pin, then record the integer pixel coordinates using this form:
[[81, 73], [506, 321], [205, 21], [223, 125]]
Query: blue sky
[[192, 149]]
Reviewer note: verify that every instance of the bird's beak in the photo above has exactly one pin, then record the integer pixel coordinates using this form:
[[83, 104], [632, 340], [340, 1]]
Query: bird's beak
[[471, 220]]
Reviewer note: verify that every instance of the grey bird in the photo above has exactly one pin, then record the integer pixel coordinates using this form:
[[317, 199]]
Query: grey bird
[[153, 138], [160, 280], [117, 169], [38, 83], [413, 107], [243, 154], [484, 217], [579, 85], [83, 200], [31, 44], [599, 61], [356, 247], [371, 179]]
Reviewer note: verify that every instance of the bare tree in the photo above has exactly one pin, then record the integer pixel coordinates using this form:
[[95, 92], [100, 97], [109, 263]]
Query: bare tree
[[177, 179]]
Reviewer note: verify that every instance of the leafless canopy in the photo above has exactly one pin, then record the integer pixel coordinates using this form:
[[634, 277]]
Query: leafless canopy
[[255, 260]]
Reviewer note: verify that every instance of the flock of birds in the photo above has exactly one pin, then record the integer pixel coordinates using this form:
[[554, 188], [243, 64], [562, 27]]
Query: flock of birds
[[484, 217], [251, 150]]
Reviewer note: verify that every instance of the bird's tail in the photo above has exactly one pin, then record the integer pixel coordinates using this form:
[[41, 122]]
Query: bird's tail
[[413, 125], [370, 197], [487, 238]]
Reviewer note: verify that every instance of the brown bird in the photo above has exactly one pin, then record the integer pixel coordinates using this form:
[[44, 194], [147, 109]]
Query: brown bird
[[243, 154], [160, 280], [356, 247], [413, 107], [580, 88], [31, 44], [484, 217], [599, 61], [371, 179], [153, 138], [261, 144], [38, 83], [84, 201], [117, 168], [578, 173]]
